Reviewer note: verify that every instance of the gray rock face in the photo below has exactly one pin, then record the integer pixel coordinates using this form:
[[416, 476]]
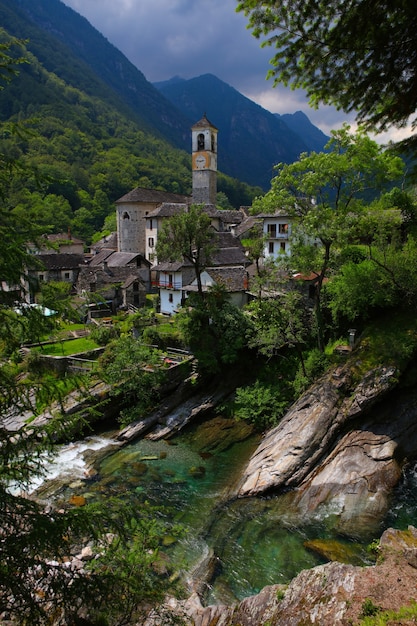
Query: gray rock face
[[340, 450], [292, 450]]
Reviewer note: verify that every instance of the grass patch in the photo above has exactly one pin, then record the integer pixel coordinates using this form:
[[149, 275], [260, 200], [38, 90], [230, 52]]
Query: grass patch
[[66, 348], [69, 326], [51, 388], [384, 618]]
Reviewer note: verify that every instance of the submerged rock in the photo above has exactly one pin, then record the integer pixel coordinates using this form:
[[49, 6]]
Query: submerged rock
[[333, 550]]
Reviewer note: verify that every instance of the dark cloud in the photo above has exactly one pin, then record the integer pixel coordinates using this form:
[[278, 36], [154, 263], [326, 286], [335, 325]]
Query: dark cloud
[[187, 38]]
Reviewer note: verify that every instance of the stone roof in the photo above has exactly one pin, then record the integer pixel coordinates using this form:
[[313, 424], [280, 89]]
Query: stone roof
[[116, 259], [101, 256], [203, 123], [230, 216], [141, 194], [277, 213], [231, 278], [246, 225], [59, 261], [171, 266], [121, 259], [63, 238], [130, 280], [229, 256], [167, 209], [226, 239], [109, 241]]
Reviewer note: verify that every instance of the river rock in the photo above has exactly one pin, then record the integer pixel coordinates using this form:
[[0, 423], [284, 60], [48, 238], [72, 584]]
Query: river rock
[[291, 450]]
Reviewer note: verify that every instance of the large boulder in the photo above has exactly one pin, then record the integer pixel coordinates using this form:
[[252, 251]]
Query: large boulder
[[292, 450]]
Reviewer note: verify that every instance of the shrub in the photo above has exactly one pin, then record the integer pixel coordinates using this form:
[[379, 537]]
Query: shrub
[[315, 364], [260, 404], [369, 609], [102, 335]]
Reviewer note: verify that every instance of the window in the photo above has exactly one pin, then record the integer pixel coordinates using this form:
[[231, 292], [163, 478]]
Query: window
[[200, 141], [41, 277], [67, 275], [150, 224], [126, 216], [282, 246], [170, 298], [283, 229], [170, 279], [271, 247], [151, 242], [272, 230]]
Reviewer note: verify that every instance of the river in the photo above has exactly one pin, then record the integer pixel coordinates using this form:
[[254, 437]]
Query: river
[[189, 480]]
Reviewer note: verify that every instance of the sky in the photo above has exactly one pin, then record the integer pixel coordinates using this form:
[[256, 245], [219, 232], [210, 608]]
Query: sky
[[188, 38]]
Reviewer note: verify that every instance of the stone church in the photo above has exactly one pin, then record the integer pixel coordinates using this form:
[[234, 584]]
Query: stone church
[[140, 214]]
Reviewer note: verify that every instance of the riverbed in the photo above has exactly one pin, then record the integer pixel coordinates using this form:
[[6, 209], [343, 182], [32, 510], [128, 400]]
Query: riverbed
[[190, 481]]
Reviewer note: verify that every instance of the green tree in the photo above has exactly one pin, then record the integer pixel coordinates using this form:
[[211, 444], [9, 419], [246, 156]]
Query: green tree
[[187, 236], [379, 271], [35, 585], [358, 55], [323, 193], [56, 295], [135, 372], [254, 243], [214, 329], [280, 322]]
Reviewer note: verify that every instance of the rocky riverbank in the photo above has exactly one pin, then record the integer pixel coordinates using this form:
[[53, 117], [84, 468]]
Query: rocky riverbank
[[333, 594], [341, 447]]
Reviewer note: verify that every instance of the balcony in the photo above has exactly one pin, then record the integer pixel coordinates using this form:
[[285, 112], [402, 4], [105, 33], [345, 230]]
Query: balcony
[[165, 284]]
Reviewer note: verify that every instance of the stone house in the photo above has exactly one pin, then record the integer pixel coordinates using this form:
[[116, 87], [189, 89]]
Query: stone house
[[118, 278], [228, 268], [235, 281], [56, 266], [58, 243]]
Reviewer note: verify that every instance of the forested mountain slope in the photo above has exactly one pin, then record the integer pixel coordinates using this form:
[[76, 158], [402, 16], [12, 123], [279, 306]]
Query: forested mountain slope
[[252, 139], [88, 149], [70, 47]]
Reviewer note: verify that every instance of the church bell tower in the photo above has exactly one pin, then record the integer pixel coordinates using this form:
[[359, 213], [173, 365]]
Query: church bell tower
[[204, 162]]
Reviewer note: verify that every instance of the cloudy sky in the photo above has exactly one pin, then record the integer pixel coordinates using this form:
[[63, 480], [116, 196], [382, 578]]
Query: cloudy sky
[[188, 38]]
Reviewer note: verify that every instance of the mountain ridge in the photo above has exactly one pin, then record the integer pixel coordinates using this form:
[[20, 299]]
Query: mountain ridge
[[252, 140]]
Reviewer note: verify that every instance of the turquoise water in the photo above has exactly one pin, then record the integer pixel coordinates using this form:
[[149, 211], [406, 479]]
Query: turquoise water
[[190, 481]]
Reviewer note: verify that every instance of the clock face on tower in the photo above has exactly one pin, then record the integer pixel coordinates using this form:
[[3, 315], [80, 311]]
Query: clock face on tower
[[200, 160]]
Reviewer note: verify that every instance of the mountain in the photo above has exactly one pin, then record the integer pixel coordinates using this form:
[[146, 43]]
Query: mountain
[[251, 139], [70, 47], [312, 136]]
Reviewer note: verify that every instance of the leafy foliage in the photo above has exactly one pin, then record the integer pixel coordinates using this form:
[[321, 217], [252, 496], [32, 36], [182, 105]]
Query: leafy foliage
[[36, 585], [214, 329], [323, 193], [187, 236], [341, 57], [260, 404], [134, 370]]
